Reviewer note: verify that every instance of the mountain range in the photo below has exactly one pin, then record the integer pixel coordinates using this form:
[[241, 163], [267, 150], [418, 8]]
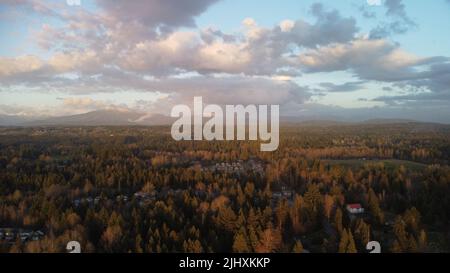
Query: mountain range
[[94, 118], [129, 118]]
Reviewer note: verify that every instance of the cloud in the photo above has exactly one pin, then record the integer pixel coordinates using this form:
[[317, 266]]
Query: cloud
[[209, 35], [396, 8], [47, 8], [399, 21], [369, 59], [260, 51], [83, 102], [421, 79], [214, 90], [104, 40], [229, 90], [287, 25], [437, 78], [19, 65], [156, 13], [366, 11], [330, 27], [185, 51], [85, 60], [346, 87], [218, 90], [155, 46]]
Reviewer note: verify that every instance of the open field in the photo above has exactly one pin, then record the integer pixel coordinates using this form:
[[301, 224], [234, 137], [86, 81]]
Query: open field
[[388, 163]]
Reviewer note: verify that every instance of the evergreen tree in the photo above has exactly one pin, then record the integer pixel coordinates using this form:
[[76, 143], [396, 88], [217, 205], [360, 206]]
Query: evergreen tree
[[351, 247], [343, 242], [347, 244], [338, 220], [270, 240], [298, 247], [423, 241], [362, 233], [138, 244], [240, 244], [227, 218], [374, 206], [252, 238]]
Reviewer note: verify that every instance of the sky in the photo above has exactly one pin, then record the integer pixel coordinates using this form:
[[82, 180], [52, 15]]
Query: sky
[[345, 59]]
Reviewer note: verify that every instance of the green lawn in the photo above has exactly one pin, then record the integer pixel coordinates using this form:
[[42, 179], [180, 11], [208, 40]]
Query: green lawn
[[389, 163]]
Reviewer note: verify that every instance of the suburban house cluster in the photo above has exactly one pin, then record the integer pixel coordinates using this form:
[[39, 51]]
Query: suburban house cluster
[[11, 235], [237, 167]]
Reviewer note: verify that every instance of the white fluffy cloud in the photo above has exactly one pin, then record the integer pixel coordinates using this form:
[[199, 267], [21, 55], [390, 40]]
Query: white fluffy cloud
[[19, 65], [369, 59], [287, 25], [155, 46]]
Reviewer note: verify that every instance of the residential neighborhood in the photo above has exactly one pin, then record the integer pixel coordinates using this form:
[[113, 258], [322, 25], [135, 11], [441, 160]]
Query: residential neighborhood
[[11, 235]]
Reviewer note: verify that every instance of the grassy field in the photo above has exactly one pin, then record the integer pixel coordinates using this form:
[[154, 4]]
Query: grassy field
[[388, 163]]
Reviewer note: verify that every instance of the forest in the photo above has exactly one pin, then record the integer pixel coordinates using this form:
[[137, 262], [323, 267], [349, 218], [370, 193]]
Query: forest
[[326, 189]]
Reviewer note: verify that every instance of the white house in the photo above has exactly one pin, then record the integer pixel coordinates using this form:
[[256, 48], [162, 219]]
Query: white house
[[355, 208]]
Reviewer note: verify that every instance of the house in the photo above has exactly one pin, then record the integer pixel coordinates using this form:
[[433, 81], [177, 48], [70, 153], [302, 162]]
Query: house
[[122, 198], [11, 234], [37, 235], [77, 202], [284, 193], [141, 195], [287, 193], [24, 235], [277, 195], [89, 200], [145, 198], [355, 208]]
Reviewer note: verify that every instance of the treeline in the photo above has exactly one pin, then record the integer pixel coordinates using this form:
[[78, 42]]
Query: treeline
[[298, 204]]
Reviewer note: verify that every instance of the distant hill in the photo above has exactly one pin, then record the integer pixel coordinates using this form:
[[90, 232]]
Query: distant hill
[[114, 117], [319, 123], [101, 117], [336, 122], [11, 120], [389, 121], [155, 120]]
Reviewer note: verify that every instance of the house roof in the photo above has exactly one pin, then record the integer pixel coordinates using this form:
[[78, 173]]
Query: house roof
[[354, 206]]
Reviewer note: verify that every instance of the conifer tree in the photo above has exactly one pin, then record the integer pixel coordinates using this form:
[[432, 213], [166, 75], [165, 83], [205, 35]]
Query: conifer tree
[[338, 220], [298, 247], [374, 206], [240, 244]]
